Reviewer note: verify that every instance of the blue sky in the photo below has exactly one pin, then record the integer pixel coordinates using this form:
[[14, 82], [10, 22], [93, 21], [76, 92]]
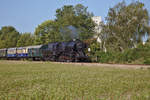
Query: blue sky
[[26, 15]]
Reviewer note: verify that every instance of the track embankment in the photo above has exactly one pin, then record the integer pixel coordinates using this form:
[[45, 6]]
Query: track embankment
[[125, 66]]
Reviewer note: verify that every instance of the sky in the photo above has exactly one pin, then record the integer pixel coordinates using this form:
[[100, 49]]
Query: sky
[[26, 15]]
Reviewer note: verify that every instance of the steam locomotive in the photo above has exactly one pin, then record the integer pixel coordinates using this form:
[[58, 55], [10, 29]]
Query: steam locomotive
[[71, 51]]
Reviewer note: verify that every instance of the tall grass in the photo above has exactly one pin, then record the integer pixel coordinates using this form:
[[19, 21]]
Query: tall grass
[[49, 81]]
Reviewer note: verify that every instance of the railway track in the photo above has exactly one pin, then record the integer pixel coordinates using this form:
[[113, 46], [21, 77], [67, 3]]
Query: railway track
[[124, 66]]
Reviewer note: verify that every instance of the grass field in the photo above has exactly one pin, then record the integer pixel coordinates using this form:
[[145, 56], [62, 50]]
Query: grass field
[[48, 81]]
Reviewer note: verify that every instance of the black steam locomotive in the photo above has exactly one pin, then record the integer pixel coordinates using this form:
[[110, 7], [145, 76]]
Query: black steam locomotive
[[72, 51]]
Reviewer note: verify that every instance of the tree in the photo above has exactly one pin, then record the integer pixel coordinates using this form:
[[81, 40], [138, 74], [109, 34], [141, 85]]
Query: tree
[[78, 17], [25, 39], [9, 36], [125, 26], [47, 32], [0, 32], [71, 22]]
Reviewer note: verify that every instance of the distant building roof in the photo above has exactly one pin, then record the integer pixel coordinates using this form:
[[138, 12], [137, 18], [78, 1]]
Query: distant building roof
[[36, 46], [12, 48], [3, 49]]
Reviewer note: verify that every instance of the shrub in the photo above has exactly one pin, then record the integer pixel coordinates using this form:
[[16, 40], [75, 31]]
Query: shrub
[[147, 61]]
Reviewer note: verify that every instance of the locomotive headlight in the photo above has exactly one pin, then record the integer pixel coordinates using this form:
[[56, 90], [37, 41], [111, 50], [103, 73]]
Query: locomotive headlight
[[89, 49]]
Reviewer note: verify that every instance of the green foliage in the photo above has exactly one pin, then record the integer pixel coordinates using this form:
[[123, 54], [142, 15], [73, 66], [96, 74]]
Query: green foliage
[[94, 49], [71, 22], [78, 17], [147, 61], [126, 25], [139, 55], [25, 39], [8, 37], [105, 57], [127, 56], [122, 35], [47, 32]]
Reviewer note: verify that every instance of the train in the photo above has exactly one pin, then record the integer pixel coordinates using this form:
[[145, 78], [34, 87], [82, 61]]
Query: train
[[70, 51]]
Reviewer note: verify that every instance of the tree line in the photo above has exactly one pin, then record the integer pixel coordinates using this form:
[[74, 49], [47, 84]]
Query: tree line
[[71, 22], [123, 31], [122, 35]]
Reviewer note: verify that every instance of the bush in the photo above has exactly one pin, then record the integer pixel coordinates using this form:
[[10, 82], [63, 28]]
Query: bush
[[147, 61], [105, 57], [132, 55]]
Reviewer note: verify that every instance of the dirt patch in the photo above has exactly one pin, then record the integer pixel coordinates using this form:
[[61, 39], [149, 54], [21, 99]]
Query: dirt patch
[[109, 65]]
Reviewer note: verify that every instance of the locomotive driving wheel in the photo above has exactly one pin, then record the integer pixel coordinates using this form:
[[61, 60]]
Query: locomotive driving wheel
[[64, 59]]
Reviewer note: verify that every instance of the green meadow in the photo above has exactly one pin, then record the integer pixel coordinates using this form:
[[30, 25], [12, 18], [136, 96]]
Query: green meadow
[[23, 80]]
